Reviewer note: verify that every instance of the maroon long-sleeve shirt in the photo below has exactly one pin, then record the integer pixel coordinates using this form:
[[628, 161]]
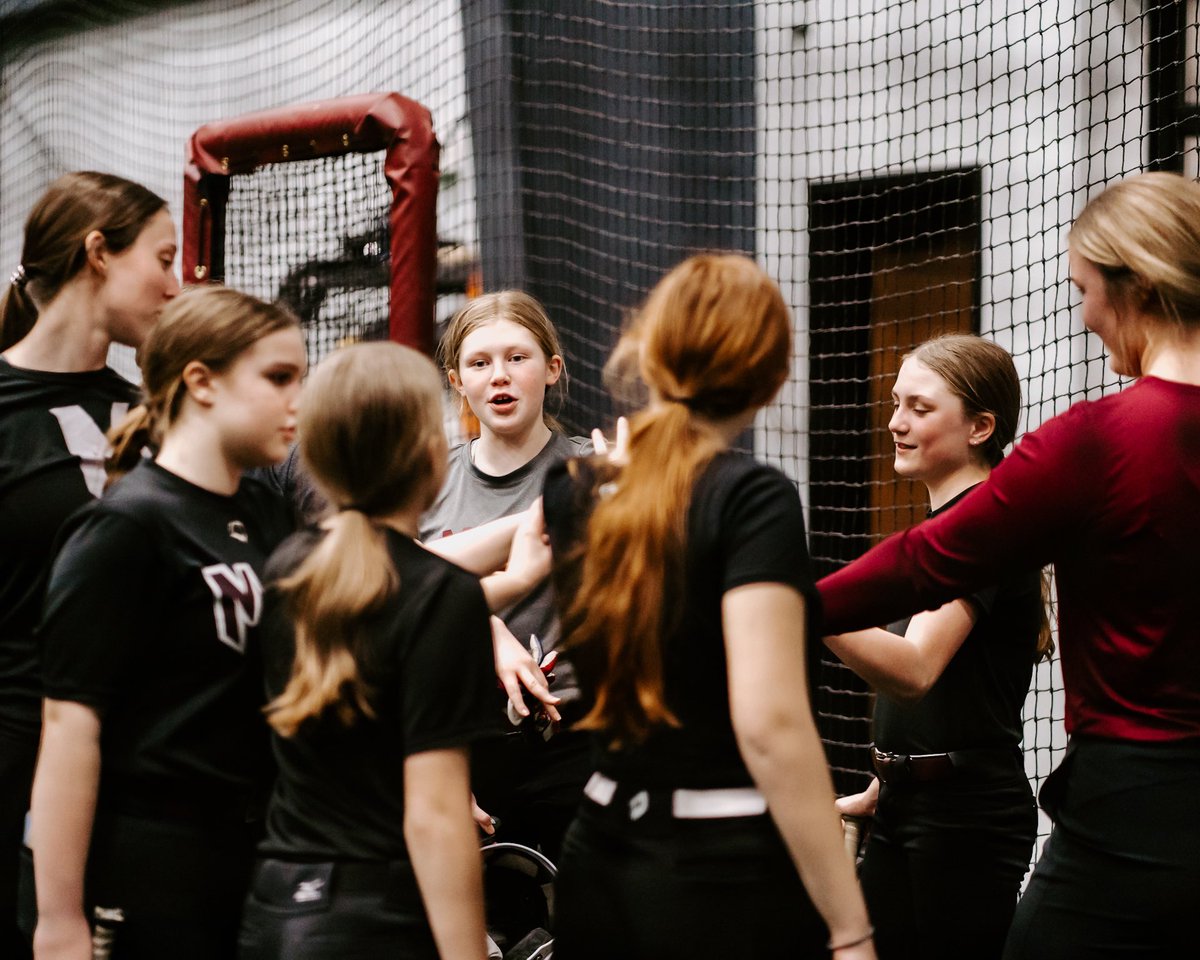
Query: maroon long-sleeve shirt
[[1110, 492]]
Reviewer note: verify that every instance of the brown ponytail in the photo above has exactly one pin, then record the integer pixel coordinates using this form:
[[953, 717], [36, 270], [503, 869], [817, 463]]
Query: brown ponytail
[[18, 313], [126, 442], [715, 342], [371, 437], [1045, 641]]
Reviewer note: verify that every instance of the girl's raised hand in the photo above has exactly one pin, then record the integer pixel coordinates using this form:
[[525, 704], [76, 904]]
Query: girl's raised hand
[[617, 451]]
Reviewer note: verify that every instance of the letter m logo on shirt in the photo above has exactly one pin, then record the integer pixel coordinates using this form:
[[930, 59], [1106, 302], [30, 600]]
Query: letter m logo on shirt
[[237, 601]]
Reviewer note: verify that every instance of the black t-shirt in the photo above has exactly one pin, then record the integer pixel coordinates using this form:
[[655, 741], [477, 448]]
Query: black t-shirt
[[52, 449], [427, 662], [977, 700], [295, 485], [148, 620], [745, 525]]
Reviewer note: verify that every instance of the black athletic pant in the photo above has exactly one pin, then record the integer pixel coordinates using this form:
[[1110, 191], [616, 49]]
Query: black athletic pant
[[18, 755], [943, 867], [180, 886], [679, 889], [531, 786], [1120, 874], [332, 911]]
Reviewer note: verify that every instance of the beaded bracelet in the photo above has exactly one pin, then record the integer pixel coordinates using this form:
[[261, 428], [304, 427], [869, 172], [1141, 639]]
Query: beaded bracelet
[[851, 943]]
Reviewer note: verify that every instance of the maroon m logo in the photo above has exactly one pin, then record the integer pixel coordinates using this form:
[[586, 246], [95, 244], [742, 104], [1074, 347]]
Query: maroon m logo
[[237, 601]]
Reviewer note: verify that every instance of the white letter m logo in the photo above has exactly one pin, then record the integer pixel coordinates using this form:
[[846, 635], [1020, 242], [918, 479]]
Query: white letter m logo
[[237, 601]]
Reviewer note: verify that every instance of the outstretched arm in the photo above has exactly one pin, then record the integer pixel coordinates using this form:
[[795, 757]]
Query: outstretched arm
[[777, 736], [1045, 494]]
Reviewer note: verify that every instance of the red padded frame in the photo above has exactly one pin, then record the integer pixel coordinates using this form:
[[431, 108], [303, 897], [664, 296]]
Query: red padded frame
[[400, 127]]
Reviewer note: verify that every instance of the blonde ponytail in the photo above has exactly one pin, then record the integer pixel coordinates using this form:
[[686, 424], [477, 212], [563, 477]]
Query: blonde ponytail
[[371, 437], [347, 577]]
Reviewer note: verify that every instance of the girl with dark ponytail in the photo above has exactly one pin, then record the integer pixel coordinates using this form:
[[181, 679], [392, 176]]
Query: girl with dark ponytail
[[689, 601], [152, 776], [97, 267]]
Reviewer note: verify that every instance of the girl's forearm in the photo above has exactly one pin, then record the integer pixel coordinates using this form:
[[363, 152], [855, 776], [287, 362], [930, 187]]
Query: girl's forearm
[[64, 806]]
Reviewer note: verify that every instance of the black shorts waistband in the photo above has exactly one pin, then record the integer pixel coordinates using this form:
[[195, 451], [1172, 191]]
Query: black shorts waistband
[[290, 882]]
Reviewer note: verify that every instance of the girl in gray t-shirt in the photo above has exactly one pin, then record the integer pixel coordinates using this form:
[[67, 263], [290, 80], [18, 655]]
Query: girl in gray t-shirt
[[502, 355]]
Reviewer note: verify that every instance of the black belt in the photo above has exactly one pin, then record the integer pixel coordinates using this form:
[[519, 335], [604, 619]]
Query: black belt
[[980, 763]]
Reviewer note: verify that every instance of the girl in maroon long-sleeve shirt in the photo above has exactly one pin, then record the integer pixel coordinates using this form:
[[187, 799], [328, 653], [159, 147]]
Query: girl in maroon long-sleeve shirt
[[1110, 492]]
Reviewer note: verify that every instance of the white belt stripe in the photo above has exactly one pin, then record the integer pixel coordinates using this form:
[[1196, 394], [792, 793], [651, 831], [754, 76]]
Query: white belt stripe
[[690, 804], [706, 804]]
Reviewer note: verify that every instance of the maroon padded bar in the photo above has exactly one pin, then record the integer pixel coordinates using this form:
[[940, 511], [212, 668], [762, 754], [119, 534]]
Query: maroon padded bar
[[400, 127]]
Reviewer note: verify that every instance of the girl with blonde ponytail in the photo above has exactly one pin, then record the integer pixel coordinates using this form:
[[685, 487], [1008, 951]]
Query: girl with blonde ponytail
[[378, 658], [690, 595], [150, 783]]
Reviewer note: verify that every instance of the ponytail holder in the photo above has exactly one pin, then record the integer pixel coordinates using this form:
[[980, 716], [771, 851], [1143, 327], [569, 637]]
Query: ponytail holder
[[683, 401], [352, 506], [18, 278]]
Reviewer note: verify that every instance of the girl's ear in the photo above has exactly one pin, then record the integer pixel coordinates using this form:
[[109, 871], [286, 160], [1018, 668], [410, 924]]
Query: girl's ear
[[198, 380], [554, 368], [983, 425], [96, 248], [452, 377]]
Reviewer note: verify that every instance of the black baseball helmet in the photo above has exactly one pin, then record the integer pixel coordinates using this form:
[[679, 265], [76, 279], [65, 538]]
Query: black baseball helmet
[[518, 895]]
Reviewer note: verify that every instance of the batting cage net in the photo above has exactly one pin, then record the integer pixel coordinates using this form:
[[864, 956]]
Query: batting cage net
[[335, 274], [902, 167]]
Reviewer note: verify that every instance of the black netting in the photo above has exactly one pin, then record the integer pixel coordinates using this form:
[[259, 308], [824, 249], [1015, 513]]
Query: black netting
[[314, 233], [901, 167]]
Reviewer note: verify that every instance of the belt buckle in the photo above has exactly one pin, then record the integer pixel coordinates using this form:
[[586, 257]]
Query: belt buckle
[[893, 767]]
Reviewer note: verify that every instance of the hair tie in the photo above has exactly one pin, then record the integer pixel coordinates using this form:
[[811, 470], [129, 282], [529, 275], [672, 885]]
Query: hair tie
[[18, 278], [688, 402], [352, 506]]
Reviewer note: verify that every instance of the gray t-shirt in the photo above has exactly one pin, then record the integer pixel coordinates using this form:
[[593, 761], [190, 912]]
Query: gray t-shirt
[[470, 498]]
